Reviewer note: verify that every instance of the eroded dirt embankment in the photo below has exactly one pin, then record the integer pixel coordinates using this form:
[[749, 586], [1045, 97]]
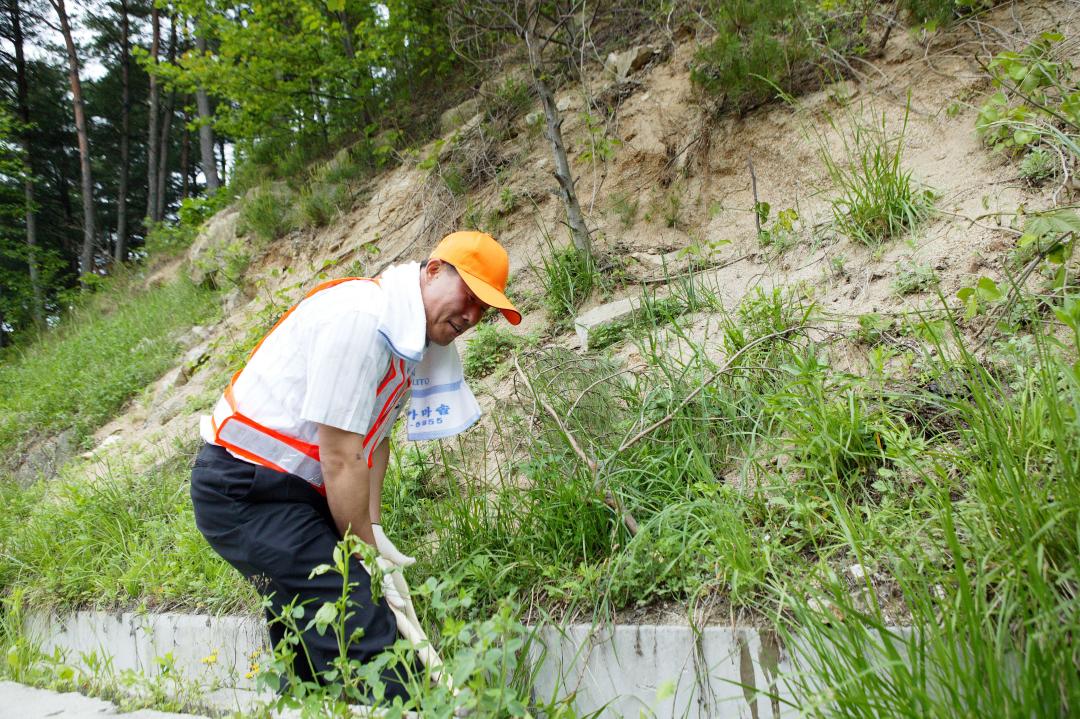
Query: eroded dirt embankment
[[677, 185]]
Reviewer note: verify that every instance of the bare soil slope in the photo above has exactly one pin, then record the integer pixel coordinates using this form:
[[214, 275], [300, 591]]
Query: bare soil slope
[[678, 183]]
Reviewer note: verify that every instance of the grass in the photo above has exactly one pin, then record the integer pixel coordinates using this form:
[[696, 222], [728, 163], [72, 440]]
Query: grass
[[80, 374], [122, 541], [878, 200], [568, 278], [952, 476]]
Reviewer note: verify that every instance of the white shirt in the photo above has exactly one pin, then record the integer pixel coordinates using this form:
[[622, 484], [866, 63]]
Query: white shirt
[[325, 362]]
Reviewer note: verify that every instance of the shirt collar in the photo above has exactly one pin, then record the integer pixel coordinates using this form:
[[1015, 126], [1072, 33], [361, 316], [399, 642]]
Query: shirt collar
[[404, 322]]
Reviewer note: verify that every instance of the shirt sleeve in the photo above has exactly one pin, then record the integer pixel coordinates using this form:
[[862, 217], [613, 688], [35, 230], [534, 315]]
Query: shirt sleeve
[[346, 359]]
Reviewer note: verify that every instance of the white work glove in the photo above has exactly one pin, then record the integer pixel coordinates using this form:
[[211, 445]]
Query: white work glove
[[387, 549]]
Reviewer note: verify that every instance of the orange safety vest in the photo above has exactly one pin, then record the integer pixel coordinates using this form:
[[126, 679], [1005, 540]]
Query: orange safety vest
[[246, 438]]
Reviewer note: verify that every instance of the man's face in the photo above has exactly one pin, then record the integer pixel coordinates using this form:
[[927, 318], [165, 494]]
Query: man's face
[[449, 304]]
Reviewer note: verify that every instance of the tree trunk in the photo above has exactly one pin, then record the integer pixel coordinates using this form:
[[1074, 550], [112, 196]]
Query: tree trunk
[[120, 253], [346, 26], [221, 147], [166, 126], [163, 157], [152, 140], [206, 130], [553, 131], [185, 153], [86, 256], [37, 311]]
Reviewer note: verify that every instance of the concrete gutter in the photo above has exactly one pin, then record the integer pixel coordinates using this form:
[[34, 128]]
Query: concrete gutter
[[623, 670]]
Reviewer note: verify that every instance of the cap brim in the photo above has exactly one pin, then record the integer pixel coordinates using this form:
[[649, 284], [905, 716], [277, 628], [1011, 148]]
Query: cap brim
[[491, 296]]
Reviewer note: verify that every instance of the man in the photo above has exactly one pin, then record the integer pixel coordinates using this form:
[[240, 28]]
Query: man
[[298, 445]]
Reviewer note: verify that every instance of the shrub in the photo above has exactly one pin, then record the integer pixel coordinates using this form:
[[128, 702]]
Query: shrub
[[765, 45], [266, 212], [320, 203], [489, 346]]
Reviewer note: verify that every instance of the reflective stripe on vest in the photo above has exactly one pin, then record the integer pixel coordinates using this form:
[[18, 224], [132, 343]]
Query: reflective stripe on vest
[[269, 448]]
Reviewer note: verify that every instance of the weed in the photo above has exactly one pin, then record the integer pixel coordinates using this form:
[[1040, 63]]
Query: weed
[[669, 208], [625, 208], [838, 266], [784, 232], [568, 278], [1037, 103], [1038, 166], [266, 212], [489, 346], [912, 278], [878, 199], [601, 146]]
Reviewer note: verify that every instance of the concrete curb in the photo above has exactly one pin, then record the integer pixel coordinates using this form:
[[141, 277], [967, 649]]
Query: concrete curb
[[623, 670]]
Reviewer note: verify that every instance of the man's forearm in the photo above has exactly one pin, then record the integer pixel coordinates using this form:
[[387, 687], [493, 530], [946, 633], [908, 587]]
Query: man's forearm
[[378, 472], [347, 480], [348, 495]]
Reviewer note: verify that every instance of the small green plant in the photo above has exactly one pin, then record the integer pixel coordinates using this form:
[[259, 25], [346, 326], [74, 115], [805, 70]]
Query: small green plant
[[878, 199], [1037, 102], [625, 208], [980, 296], [569, 277], [668, 207], [837, 266], [489, 346], [912, 278], [783, 234], [601, 147], [1038, 166]]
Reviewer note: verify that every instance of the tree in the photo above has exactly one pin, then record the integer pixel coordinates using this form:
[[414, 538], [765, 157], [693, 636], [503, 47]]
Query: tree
[[539, 26], [23, 102], [152, 120], [120, 253], [86, 256], [206, 128]]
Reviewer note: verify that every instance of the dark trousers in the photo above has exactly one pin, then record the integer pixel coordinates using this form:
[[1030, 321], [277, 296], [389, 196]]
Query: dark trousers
[[274, 528]]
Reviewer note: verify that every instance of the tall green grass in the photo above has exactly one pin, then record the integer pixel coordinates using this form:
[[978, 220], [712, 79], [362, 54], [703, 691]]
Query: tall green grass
[[878, 199], [80, 374], [990, 583], [125, 540]]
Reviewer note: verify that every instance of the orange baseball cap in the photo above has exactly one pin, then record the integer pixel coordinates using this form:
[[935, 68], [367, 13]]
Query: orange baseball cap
[[484, 266]]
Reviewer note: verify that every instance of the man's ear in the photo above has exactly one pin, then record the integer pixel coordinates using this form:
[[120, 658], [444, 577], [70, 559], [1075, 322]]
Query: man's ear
[[433, 268]]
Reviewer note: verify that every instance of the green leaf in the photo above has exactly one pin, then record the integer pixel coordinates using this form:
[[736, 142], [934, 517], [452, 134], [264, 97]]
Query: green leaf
[[988, 289], [335, 5], [326, 615]]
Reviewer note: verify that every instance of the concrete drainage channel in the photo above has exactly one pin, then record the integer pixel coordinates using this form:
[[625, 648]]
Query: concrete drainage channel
[[626, 670]]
